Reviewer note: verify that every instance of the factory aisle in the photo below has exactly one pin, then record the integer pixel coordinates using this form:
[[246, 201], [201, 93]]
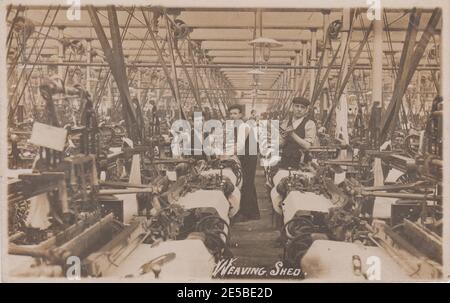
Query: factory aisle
[[254, 243]]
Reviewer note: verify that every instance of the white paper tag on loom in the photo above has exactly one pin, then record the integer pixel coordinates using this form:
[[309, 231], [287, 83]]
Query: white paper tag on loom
[[172, 175], [48, 136]]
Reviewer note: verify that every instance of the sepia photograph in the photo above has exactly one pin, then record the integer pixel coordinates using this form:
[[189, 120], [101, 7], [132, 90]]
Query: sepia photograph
[[224, 141]]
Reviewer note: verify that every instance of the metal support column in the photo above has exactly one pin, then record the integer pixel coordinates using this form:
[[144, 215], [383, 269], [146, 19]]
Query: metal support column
[[418, 89], [304, 63], [88, 67], [312, 62], [341, 108], [326, 23], [292, 74], [61, 52], [297, 72], [377, 66]]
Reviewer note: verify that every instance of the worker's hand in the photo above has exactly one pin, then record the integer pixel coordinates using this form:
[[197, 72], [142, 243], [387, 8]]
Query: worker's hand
[[288, 131], [284, 138], [284, 134]]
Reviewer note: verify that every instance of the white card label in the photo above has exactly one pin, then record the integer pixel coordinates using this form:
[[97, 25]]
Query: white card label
[[172, 175], [48, 136]]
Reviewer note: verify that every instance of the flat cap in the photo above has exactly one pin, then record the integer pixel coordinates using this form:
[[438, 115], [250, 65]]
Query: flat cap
[[300, 100]]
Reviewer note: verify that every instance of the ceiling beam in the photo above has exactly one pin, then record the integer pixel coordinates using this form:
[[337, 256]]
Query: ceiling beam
[[212, 39], [219, 27], [236, 9], [219, 65]]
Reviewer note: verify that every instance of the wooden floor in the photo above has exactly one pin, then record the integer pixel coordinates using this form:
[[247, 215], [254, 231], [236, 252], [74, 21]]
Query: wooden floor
[[254, 243]]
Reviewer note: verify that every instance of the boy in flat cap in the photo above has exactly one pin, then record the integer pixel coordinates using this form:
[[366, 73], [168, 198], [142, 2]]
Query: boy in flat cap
[[299, 134]]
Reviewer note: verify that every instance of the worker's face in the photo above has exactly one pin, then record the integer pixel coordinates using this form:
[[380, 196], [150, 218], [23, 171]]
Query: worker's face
[[300, 110], [235, 114]]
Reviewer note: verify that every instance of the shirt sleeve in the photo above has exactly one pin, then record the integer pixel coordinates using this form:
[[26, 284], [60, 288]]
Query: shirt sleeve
[[310, 132]]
